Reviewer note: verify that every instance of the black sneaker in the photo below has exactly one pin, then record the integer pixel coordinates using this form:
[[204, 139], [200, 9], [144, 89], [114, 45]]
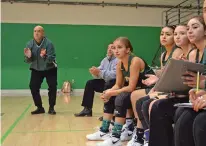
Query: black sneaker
[[51, 111], [38, 111], [86, 112]]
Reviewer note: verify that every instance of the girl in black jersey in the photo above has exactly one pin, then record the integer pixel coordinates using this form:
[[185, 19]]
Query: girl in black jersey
[[190, 126], [163, 110], [182, 41], [171, 51], [129, 73]]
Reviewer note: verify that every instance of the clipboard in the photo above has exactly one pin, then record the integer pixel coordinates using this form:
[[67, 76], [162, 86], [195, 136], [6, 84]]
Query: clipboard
[[170, 79]]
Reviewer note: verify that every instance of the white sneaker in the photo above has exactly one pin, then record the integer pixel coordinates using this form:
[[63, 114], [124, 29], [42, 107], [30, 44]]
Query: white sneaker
[[112, 141], [133, 137], [133, 142], [146, 143], [126, 134], [98, 136], [124, 126]]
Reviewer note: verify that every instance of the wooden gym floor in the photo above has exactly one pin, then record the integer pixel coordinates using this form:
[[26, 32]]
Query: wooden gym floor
[[20, 128]]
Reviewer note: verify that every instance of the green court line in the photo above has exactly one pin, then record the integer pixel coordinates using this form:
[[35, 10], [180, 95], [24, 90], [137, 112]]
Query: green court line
[[44, 131], [14, 124]]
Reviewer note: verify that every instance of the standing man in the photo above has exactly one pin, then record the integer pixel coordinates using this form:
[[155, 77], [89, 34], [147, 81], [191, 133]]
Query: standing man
[[104, 78], [40, 54]]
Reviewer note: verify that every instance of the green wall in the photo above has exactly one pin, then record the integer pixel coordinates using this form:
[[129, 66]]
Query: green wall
[[78, 47]]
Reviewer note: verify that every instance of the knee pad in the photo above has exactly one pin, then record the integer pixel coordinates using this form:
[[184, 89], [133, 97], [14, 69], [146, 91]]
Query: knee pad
[[120, 111], [122, 103], [109, 106]]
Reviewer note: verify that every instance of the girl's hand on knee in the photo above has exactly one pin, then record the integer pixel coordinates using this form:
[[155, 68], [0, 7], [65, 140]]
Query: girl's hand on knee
[[107, 95], [104, 96]]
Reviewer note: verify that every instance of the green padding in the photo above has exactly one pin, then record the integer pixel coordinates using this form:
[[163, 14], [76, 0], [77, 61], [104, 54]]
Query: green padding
[[78, 47], [18, 78]]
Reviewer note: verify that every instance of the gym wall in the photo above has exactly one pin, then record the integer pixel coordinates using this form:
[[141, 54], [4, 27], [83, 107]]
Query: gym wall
[[80, 35]]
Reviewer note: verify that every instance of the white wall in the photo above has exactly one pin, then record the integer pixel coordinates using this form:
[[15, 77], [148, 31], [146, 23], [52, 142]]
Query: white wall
[[91, 15]]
